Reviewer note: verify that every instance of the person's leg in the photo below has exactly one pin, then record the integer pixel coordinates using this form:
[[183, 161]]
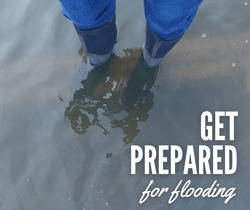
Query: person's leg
[[94, 21], [167, 21]]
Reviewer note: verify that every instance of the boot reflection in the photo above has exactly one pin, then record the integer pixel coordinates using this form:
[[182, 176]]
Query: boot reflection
[[116, 95]]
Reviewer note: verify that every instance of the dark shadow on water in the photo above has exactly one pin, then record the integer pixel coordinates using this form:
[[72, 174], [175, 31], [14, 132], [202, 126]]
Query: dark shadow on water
[[115, 95]]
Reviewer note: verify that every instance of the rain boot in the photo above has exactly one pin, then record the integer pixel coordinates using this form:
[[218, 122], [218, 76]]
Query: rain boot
[[98, 43], [156, 48]]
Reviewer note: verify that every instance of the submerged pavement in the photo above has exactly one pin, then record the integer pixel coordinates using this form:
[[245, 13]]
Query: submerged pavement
[[66, 130]]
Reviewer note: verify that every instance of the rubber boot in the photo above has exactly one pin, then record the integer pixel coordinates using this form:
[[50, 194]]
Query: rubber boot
[[98, 43], [155, 48]]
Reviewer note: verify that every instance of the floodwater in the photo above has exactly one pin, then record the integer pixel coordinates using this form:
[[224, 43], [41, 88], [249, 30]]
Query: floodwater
[[66, 129]]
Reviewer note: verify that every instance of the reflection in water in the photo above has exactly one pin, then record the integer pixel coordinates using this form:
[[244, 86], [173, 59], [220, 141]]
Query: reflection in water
[[115, 95]]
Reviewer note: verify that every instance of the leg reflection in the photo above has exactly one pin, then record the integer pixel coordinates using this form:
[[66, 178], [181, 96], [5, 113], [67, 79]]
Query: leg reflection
[[116, 95]]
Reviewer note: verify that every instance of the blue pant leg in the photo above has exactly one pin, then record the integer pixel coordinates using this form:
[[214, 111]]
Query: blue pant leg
[[170, 19], [167, 21], [88, 14], [94, 21]]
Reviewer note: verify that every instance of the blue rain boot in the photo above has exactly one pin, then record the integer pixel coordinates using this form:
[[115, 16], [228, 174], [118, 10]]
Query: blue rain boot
[[98, 43], [155, 48]]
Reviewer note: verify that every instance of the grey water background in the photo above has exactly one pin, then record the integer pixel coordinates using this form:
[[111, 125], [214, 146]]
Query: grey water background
[[66, 130]]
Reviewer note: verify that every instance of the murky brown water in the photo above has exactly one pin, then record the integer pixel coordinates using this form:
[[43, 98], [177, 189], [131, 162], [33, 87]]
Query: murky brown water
[[66, 130]]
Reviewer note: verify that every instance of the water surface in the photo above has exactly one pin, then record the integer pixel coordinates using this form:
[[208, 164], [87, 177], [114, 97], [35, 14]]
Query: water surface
[[66, 130]]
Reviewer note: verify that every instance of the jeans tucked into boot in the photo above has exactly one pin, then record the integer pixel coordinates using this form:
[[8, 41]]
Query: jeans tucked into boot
[[155, 48], [98, 43], [94, 21]]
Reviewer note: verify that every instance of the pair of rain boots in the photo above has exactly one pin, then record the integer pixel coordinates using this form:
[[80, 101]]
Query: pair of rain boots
[[98, 45]]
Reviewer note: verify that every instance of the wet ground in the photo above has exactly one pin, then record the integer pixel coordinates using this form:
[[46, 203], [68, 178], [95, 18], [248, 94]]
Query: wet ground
[[66, 130]]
